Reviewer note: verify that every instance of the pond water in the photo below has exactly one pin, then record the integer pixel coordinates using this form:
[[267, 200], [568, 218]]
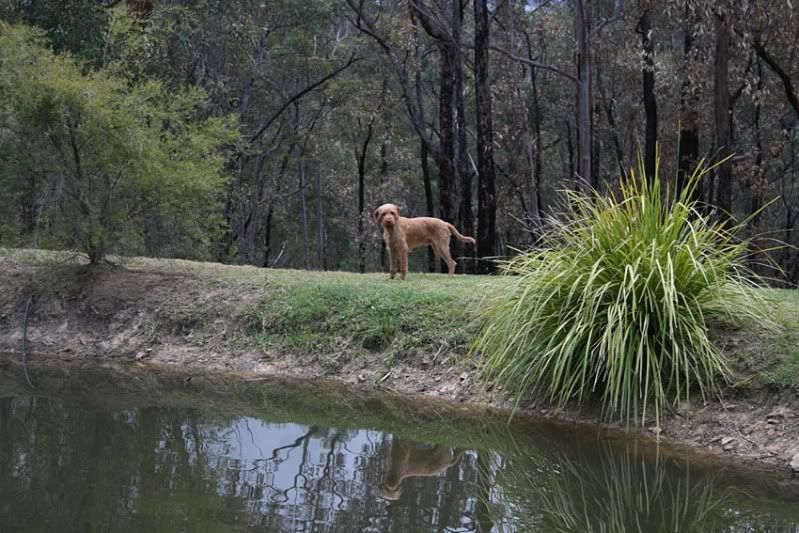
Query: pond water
[[107, 451]]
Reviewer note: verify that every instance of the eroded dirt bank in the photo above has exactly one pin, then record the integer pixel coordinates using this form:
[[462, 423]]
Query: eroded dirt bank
[[197, 322]]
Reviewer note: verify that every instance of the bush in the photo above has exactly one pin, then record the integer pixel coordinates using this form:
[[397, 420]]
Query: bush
[[616, 302], [99, 164]]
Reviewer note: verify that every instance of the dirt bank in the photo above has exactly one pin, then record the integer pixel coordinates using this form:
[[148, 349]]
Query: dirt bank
[[204, 318]]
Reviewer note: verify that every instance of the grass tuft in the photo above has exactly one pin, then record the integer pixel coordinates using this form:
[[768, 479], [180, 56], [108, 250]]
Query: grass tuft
[[616, 302]]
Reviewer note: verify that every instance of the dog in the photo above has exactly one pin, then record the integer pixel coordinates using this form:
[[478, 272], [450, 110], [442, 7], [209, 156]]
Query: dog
[[404, 234], [411, 460]]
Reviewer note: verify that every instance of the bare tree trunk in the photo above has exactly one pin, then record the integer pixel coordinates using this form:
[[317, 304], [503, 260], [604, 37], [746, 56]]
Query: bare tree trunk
[[610, 113], [304, 213], [723, 119], [445, 160], [757, 179], [428, 196], [688, 150], [486, 197], [362, 198], [271, 209], [465, 216], [320, 217], [570, 152], [644, 29], [447, 62], [584, 127], [535, 146]]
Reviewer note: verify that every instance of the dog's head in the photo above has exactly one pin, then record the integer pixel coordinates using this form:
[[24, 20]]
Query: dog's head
[[387, 215], [390, 492]]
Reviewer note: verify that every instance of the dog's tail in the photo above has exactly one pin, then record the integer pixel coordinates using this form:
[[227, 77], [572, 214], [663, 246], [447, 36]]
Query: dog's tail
[[457, 234]]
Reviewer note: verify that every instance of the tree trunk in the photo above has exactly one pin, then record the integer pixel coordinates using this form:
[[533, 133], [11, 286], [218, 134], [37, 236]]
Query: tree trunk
[[445, 160], [688, 150], [428, 196], [465, 216], [644, 28], [362, 196], [723, 121], [304, 213], [584, 179], [486, 198], [610, 113], [320, 217]]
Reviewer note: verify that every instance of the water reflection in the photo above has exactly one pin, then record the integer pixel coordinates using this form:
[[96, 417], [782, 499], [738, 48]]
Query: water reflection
[[72, 464], [407, 459]]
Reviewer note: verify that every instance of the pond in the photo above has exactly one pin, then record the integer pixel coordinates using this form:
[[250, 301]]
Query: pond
[[109, 450]]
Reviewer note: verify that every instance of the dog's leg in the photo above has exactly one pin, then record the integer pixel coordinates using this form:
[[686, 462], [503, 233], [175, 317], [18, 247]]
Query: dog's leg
[[392, 260], [442, 251], [404, 265]]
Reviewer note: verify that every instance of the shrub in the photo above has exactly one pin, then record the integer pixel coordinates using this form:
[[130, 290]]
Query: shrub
[[617, 299]]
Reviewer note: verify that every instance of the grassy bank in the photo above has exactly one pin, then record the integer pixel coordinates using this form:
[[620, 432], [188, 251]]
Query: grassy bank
[[331, 318]]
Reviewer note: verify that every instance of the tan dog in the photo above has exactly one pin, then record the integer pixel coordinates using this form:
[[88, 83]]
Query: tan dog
[[404, 234], [410, 460]]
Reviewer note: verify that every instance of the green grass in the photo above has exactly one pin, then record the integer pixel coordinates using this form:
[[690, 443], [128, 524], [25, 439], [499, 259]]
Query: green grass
[[617, 303], [761, 358], [355, 313]]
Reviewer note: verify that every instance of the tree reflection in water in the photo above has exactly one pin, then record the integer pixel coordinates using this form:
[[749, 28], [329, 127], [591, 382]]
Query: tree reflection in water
[[66, 468], [117, 463]]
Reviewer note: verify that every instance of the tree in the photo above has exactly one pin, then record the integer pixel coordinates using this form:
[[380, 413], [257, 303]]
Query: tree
[[723, 113], [644, 29], [110, 158], [486, 195]]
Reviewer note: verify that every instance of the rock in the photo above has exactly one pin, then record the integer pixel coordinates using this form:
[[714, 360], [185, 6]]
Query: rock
[[361, 378], [726, 440], [142, 355], [779, 414], [795, 463], [655, 429]]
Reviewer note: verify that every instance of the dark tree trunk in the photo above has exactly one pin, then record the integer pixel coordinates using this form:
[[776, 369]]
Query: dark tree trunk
[[362, 197], [584, 127], [723, 119], [428, 196], [757, 179], [465, 215], [445, 159], [447, 67], [570, 153], [271, 209], [304, 214], [534, 147], [644, 29], [688, 150], [321, 263], [486, 197], [610, 112]]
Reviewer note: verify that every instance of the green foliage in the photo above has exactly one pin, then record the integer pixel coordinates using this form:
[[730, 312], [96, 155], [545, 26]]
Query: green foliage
[[101, 163], [617, 301]]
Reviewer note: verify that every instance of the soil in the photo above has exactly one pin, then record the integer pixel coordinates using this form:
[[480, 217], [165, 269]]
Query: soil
[[138, 317]]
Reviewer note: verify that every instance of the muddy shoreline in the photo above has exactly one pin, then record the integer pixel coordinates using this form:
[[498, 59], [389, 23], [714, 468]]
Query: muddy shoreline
[[116, 318]]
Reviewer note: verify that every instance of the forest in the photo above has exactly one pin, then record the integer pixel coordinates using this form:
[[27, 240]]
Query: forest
[[265, 132]]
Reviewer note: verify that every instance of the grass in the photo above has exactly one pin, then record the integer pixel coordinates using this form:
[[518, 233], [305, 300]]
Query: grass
[[336, 315], [339, 315], [617, 302], [336, 312]]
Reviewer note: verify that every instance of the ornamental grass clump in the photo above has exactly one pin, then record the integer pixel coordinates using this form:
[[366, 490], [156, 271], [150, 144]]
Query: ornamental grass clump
[[615, 301]]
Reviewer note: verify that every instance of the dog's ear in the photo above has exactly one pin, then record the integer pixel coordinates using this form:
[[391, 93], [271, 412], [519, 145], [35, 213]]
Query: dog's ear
[[376, 214], [396, 211]]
